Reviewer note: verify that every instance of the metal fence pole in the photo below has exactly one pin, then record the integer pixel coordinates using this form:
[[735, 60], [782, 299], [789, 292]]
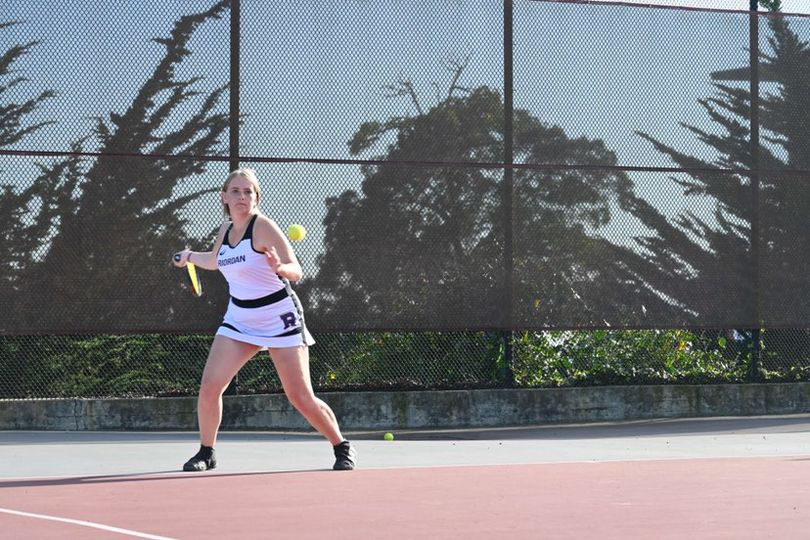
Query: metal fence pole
[[753, 33], [234, 118], [234, 86], [506, 375]]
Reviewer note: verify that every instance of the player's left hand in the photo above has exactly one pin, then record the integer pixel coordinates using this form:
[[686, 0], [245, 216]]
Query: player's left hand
[[273, 259]]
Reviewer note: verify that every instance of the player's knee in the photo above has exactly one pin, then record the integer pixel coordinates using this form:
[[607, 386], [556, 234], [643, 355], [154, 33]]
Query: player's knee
[[303, 399], [211, 390]]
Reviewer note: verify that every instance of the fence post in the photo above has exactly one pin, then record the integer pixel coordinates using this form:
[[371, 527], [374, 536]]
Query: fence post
[[506, 375], [233, 120], [753, 48], [233, 88]]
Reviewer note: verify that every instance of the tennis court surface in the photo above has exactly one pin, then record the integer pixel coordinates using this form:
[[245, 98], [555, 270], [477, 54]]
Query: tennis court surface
[[709, 478]]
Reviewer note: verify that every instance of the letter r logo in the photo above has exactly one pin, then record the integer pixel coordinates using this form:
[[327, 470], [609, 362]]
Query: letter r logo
[[288, 319]]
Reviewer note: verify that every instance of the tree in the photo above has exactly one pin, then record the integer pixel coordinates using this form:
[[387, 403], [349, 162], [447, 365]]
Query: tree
[[718, 257], [422, 246], [115, 221], [19, 235], [12, 127]]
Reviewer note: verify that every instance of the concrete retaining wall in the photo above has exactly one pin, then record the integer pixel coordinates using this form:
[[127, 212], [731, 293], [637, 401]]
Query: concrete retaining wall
[[416, 410]]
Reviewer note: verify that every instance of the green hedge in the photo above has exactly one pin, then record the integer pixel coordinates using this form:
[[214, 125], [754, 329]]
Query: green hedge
[[171, 365]]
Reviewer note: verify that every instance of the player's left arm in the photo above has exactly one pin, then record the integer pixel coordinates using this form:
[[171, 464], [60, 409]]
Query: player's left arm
[[270, 240]]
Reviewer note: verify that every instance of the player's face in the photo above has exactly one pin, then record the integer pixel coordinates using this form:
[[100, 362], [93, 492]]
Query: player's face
[[240, 196]]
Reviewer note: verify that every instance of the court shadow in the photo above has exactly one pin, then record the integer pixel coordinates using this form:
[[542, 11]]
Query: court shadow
[[155, 476], [15, 438]]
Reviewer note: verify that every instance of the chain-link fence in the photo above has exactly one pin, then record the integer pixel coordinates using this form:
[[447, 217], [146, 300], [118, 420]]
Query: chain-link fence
[[528, 192], [171, 365]]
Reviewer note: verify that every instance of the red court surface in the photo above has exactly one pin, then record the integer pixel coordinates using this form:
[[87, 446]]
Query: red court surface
[[761, 497]]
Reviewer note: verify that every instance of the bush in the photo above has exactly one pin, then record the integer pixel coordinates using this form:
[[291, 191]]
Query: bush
[[171, 365], [599, 357]]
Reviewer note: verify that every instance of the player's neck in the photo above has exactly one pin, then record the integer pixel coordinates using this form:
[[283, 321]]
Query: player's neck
[[240, 220]]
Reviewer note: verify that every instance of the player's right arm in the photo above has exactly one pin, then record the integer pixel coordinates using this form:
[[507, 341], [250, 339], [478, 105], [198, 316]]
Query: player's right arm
[[204, 259]]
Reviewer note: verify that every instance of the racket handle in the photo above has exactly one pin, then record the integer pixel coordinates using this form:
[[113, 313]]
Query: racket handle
[[177, 257]]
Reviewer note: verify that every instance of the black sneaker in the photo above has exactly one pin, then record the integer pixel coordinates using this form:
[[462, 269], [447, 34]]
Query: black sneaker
[[203, 460], [345, 455]]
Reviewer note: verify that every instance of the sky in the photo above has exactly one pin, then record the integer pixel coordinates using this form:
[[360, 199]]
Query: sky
[[314, 71]]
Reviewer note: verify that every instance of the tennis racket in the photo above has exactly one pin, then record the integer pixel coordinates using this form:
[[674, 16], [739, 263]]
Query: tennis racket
[[193, 279]]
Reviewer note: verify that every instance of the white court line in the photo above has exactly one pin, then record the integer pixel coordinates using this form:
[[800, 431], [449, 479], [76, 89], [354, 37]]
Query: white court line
[[86, 524]]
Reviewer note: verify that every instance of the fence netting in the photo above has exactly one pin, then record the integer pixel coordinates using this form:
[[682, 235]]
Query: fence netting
[[622, 195]]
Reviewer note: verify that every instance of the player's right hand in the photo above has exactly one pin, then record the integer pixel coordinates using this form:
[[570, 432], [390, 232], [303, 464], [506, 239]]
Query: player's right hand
[[180, 258]]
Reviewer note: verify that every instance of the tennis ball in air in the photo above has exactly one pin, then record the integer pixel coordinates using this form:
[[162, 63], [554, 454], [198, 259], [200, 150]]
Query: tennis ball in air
[[388, 436], [296, 232]]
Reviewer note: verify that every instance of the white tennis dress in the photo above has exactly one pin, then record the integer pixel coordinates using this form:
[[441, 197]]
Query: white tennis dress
[[263, 309]]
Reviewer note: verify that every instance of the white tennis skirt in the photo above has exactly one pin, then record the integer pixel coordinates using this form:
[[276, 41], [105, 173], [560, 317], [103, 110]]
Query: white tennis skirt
[[277, 324]]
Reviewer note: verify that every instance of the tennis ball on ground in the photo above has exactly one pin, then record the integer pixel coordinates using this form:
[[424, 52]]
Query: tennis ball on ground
[[296, 232], [388, 436]]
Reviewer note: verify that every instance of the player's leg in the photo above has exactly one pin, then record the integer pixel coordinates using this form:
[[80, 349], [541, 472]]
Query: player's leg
[[225, 359], [292, 365]]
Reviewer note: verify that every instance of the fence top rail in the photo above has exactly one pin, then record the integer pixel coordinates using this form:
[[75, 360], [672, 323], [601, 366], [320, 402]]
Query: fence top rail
[[413, 163], [672, 7]]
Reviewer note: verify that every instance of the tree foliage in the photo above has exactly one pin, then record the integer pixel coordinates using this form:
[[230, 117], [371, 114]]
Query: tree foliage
[[103, 228], [715, 257], [701, 247], [771, 5], [13, 127], [422, 246], [20, 236]]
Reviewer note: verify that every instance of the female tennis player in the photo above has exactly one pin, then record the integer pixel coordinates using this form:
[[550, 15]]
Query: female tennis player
[[258, 263]]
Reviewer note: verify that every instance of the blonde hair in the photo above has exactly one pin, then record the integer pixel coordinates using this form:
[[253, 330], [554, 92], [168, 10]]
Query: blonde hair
[[250, 174]]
